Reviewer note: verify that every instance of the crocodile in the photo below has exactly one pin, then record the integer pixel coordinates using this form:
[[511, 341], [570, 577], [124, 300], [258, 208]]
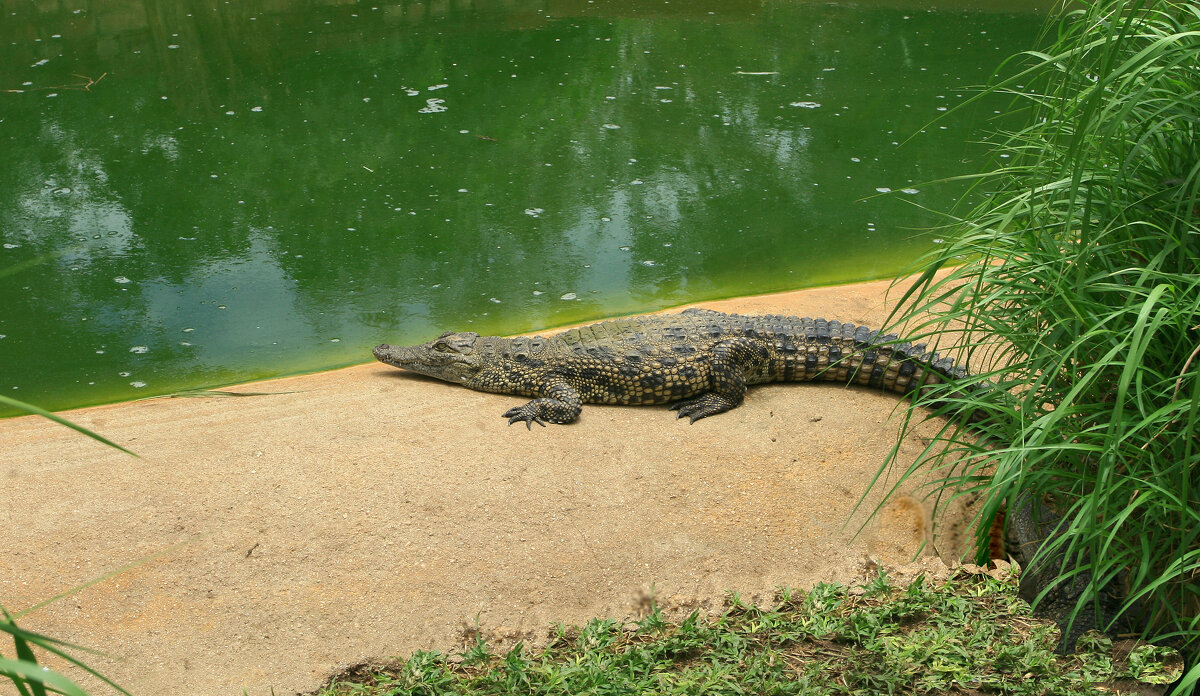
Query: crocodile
[[700, 361]]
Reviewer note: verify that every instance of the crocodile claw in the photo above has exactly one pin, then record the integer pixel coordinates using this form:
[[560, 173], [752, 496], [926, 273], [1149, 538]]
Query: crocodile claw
[[687, 409], [521, 413]]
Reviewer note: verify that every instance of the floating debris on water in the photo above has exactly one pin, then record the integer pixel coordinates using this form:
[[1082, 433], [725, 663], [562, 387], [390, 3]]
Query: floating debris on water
[[569, 296], [610, 126], [121, 279], [806, 104], [534, 212], [433, 106]]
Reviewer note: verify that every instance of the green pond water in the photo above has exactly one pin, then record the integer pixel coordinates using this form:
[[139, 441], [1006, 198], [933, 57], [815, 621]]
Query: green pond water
[[195, 193]]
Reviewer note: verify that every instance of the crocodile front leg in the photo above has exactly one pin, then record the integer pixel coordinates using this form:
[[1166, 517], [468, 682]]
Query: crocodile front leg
[[559, 403], [731, 360]]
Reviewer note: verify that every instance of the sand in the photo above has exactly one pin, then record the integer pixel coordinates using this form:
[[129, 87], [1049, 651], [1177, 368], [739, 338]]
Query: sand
[[365, 513]]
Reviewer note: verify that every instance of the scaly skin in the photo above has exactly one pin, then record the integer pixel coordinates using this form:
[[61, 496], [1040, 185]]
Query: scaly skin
[[1031, 525], [700, 361]]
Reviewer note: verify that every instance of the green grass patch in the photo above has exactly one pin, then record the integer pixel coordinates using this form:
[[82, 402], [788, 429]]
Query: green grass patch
[[969, 634]]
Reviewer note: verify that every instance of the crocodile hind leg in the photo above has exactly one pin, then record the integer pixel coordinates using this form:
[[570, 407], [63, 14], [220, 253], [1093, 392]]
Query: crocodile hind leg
[[559, 403], [731, 360]]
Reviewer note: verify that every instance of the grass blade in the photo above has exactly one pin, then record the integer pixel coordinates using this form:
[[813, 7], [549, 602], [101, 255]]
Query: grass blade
[[38, 411]]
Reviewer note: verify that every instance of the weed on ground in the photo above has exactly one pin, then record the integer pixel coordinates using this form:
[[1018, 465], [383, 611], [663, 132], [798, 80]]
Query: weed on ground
[[969, 635]]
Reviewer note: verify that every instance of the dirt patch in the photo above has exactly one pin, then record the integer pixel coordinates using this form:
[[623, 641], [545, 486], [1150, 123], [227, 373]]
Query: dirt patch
[[369, 513]]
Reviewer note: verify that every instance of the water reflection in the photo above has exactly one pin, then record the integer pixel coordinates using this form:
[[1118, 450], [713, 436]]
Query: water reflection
[[246, 189]]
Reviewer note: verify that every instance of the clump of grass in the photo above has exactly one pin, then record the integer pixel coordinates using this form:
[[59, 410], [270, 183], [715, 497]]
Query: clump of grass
[[968, 633], [1079, 287]]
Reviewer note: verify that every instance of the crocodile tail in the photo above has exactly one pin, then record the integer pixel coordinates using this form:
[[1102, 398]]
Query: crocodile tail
[[860, 356]]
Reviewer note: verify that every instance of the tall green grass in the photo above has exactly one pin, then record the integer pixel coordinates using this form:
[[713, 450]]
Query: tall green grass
[[1075, 284]]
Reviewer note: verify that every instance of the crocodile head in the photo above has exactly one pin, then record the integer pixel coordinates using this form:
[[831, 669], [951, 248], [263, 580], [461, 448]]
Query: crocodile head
[[451, 357]]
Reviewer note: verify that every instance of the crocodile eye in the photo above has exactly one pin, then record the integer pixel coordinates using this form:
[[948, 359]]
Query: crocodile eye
[[441, 347]]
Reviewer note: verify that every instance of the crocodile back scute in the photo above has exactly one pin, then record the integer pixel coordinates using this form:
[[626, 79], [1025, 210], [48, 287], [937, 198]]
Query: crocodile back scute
[[799, 348]]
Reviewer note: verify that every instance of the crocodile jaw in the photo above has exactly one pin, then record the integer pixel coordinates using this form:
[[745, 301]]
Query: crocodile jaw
[[451, 357]]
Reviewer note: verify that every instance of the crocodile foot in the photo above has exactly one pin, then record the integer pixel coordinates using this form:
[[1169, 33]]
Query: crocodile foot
[[703, 406], [561, 408]]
